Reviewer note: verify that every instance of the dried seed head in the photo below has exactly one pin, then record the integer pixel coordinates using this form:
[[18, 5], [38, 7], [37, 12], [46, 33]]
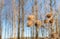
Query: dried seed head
[[51, 21], [52, 35], [38, 23], [31, 17], [49, 15], [30, 23], [46, 21]]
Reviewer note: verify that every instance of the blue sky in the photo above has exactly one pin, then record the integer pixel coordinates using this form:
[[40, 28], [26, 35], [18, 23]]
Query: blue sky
[[28, 9]]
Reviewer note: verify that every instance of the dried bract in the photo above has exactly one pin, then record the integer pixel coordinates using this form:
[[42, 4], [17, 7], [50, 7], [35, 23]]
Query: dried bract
[[38, 23], [31, 17], [30, 23]]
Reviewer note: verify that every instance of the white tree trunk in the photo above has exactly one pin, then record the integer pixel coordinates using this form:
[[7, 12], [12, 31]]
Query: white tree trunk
[[14, 18], [1, 6]]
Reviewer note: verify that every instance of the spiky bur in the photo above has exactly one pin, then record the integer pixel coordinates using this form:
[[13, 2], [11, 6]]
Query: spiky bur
[[31, 20], [30, 23], [51, 21], [49, 15], [31, 17], [46, 21]]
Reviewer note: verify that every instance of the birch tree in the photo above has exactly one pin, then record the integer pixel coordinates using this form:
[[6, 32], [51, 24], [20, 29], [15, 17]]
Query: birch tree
[[32, 28], [36, 14], [14, 18], [19, 20], [22, 4], [1, 7]]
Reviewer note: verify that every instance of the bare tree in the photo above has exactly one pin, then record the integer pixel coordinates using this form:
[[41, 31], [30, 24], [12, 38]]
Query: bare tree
[[33, 26], [51, 11], [36, 14], [51, 5], [19, 20], [32, 29], [1, 7], [57, 27], [22, 3], [14, 18]]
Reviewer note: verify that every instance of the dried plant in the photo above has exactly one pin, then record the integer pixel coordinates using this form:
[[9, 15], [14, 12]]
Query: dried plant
[[46, 21], [31, 17], [30, 23], [51, 20], [38, 23]]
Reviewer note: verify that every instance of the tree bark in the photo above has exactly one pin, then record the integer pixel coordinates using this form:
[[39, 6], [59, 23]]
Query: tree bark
[[22, 2], [1, 6], [14, 18], [19, 20], [36, 11], [34, 25]]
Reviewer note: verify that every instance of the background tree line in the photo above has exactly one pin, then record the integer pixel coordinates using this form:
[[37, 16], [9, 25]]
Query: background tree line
[[14, 13]]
